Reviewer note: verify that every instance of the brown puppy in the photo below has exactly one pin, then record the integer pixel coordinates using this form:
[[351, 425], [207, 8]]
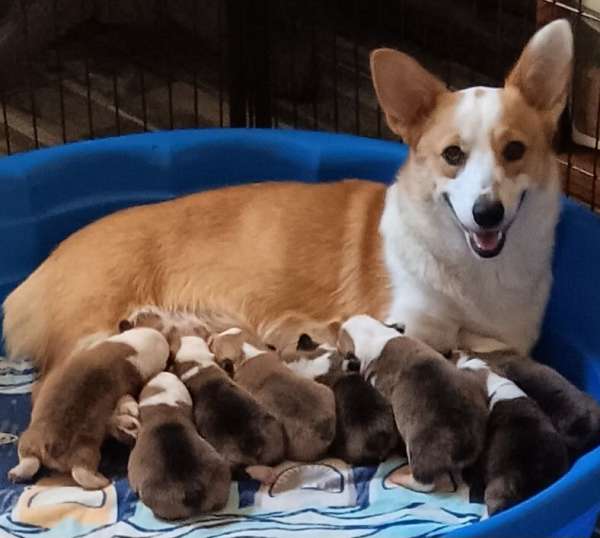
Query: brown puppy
[[225, 414], [76, 402], [574, 414], [305, 408], [365, 429], [440, 411], [523, 452], [174, 471]]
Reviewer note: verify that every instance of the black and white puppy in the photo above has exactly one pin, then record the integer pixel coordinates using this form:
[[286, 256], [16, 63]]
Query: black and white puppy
[[365, 429], [574, 414]]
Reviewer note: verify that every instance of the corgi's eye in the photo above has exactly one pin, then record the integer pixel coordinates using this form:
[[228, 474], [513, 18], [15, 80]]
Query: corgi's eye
[[453, 155], [514, 150]]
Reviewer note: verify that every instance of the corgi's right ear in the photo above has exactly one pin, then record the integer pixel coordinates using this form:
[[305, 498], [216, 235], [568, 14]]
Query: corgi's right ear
[[406, 91]]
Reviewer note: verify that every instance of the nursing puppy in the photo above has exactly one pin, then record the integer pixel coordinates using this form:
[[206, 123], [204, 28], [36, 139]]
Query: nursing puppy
[[365, 428], [523, 452], [440, 411], [174, 471], [74, 405], [574, 414], [225, 414], [227, 346], [306, 409]]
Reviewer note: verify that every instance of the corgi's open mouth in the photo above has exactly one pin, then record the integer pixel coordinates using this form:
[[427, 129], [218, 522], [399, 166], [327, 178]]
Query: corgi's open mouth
[[485, 243]]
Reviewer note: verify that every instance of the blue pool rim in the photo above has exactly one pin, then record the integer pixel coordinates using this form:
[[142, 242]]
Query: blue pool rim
[[47, 194]]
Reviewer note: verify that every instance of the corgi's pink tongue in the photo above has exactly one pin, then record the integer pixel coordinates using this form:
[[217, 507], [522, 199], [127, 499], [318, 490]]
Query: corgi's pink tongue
[[487, 240]]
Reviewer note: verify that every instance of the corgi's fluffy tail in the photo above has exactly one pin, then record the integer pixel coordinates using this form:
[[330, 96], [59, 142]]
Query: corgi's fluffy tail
[[27, 319]]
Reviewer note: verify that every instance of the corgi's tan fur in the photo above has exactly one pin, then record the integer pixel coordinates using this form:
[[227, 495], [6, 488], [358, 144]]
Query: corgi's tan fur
[[75, 404], [399, 253]]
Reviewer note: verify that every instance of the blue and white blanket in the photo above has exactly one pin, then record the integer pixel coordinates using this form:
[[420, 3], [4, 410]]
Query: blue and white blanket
[[325, 499]]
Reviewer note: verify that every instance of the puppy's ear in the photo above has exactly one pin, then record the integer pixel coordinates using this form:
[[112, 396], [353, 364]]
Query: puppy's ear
[[306, 343], [125, 325], [334, 327], [174, 340]]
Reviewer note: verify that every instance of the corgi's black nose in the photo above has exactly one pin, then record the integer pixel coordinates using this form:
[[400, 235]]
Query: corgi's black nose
[[488, 213]]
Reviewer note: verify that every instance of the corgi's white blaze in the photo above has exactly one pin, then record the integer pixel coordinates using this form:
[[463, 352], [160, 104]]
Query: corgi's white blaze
[[195, 349], [173, 391], [477, 112], [151, 346], [311, 368], [369, 337]]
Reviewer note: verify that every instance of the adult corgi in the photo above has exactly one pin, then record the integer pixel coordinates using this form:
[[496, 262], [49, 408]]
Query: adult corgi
[[458, 248]]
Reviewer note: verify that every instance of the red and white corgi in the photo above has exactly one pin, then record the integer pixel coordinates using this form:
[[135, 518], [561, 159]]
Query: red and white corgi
[[459, 247]]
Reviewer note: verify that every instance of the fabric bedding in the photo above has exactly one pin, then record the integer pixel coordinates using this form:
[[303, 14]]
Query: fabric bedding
[[325, 499]]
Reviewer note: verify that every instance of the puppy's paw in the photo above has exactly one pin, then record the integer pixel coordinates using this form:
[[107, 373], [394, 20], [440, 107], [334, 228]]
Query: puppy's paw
[[263, 473], [124, 423], [404, 477], [89, 479], [24, 470]]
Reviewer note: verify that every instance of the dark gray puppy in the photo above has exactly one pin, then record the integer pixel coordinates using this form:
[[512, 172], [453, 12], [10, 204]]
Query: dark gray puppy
[[523, 452], [574, 414], [365, 429], [440, 411]]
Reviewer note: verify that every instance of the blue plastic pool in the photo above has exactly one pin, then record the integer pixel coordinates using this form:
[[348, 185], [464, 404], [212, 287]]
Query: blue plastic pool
[[48, 194]]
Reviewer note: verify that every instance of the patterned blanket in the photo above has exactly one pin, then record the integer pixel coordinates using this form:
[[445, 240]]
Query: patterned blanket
[[326, 499]]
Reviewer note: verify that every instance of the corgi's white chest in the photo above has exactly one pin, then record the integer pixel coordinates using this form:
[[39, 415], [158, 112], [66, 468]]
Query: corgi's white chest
[[448, 297]]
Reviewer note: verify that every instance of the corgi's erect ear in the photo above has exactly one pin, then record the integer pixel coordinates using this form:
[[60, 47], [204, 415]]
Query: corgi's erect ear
[[406, 91], [543, 72]]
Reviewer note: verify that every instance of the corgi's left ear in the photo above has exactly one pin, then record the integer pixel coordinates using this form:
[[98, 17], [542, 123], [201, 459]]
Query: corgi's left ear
[[543, 72]]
